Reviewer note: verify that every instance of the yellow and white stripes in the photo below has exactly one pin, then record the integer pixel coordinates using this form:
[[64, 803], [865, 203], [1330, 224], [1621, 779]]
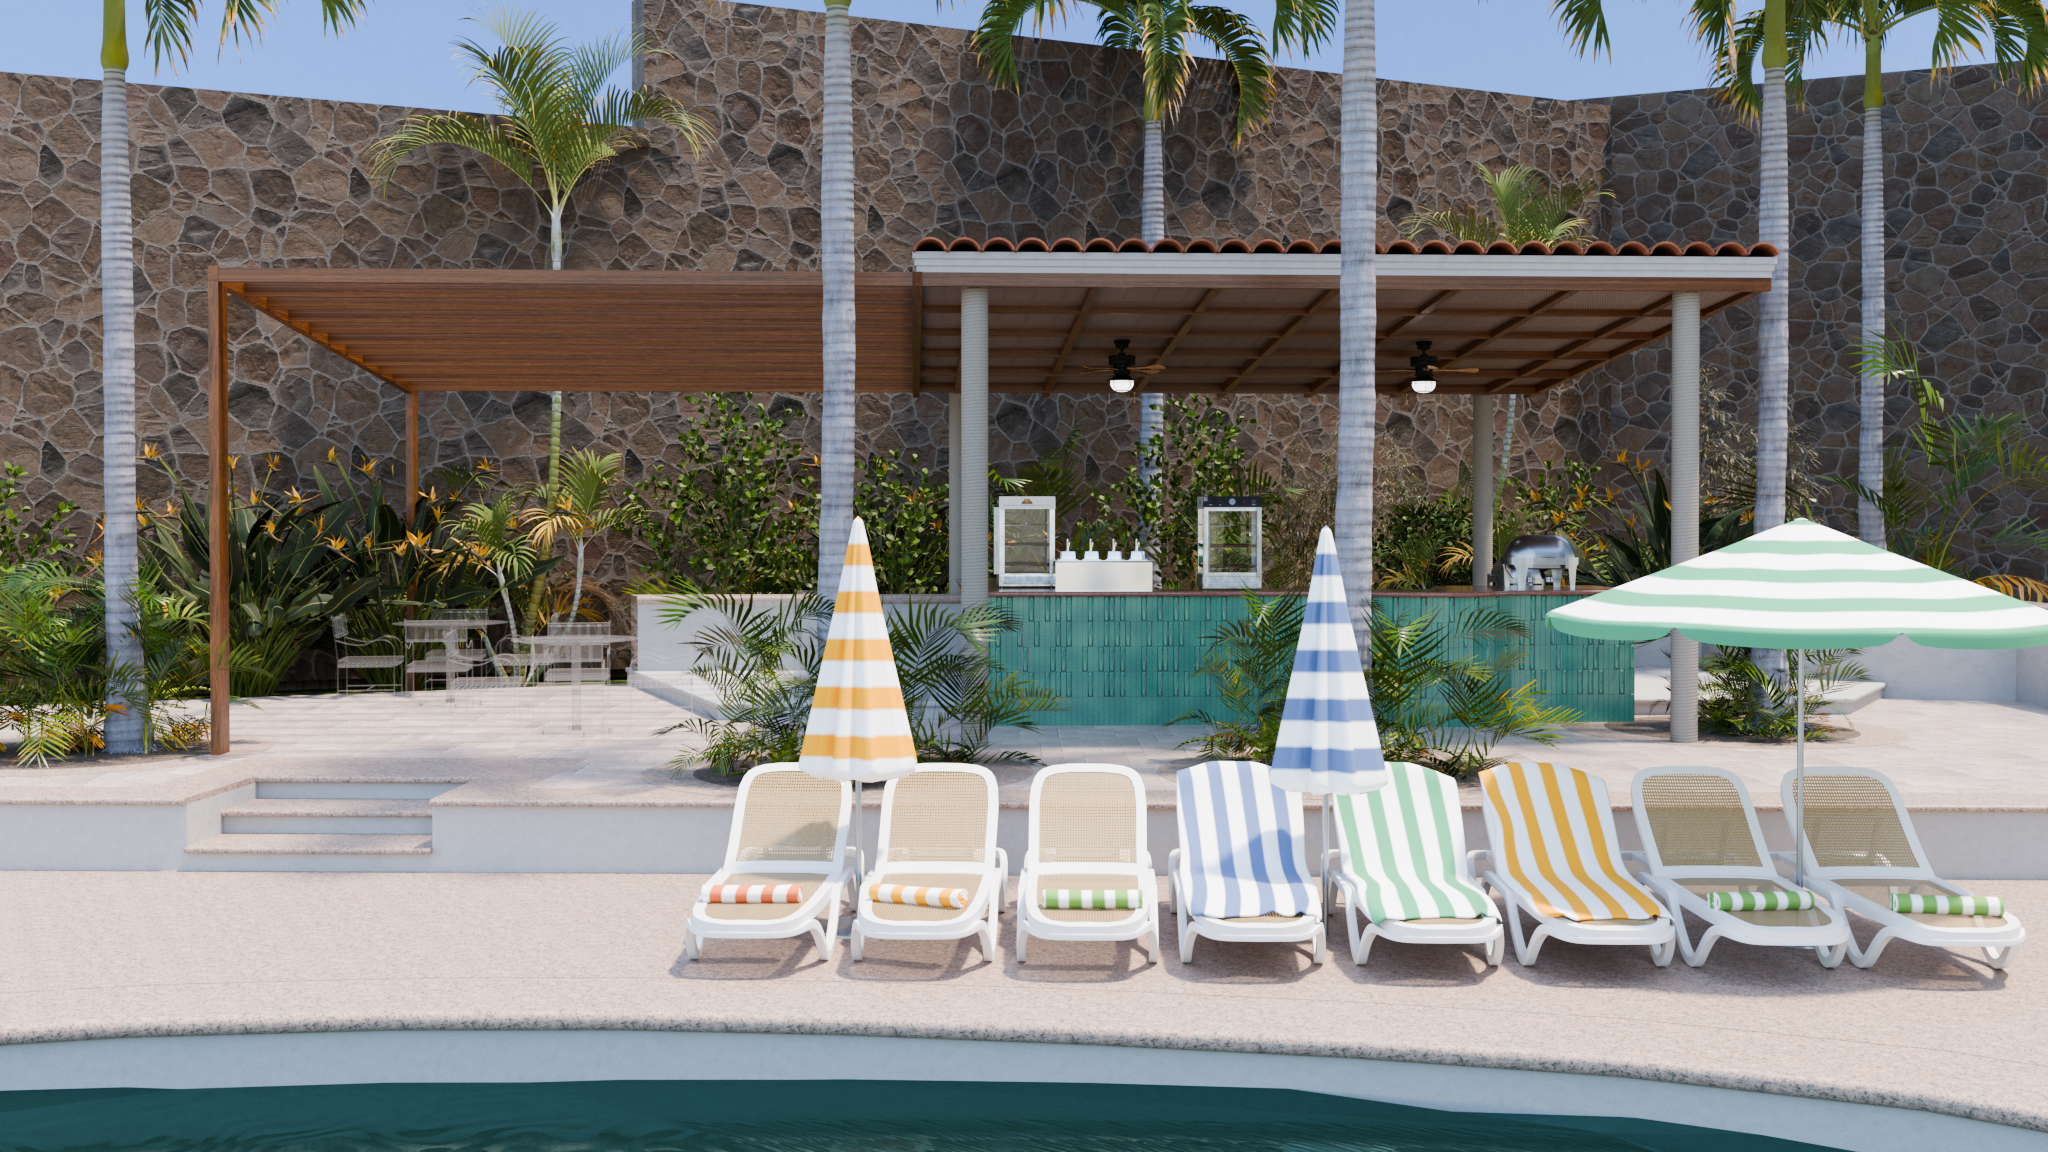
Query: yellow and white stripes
[[858, 729], [1557, 843], [921, 897]]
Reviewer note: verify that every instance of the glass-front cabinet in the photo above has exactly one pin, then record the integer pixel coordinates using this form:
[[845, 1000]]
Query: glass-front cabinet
[[1229, 534], [1024, 541]]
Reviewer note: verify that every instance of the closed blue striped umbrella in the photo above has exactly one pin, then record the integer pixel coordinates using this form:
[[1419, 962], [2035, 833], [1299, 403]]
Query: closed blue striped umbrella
[[1328, 741]]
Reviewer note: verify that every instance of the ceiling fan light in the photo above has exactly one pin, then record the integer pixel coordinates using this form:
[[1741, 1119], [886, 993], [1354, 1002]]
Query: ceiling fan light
[[1121, 381], [1424, 382]]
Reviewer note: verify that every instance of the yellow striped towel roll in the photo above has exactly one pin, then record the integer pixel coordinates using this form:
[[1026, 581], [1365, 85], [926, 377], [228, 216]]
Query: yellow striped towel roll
[[1091, 898], [755, 894], [1778, 901], [1948, 905], [922, 897]]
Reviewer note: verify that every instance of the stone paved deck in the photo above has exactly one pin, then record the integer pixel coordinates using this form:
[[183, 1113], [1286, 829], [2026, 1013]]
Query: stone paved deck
[[91, 955]]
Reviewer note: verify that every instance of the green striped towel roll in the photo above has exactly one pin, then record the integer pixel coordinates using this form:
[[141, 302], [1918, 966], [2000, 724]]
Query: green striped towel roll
[[1948, 905], [1779, 901], [1097, 898]]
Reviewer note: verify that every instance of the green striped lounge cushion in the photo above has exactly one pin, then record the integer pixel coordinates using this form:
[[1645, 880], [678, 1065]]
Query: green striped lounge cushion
[[1398, 846], [1091, 898], [1948, 905], [1778, 901]]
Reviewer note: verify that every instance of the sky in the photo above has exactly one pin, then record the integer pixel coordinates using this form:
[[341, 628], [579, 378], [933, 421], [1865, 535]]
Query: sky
[[401, 51]]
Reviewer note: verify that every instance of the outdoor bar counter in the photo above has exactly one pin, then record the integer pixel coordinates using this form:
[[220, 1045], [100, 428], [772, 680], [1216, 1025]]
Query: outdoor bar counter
[[1134, 657]]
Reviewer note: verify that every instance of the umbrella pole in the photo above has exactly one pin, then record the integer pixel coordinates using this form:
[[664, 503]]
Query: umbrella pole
[[1799, 769], [1323, 865]]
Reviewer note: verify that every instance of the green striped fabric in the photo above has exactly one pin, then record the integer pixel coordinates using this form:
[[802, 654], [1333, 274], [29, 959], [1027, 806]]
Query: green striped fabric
[[1779, 901], [1397, 842], [1801, 585], [1948, 905], [1091, 898]]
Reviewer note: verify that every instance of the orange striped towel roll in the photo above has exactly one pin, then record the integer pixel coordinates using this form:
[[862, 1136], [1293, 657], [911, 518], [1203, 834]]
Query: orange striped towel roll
[[923, 897], [756, 894]]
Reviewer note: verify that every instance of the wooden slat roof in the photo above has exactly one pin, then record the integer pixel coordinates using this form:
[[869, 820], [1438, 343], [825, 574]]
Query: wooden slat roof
[[1233, 316]]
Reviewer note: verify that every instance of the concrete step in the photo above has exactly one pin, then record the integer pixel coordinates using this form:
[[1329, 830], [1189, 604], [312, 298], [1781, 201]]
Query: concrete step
[[374, 816], [353, 789], [313, 844]]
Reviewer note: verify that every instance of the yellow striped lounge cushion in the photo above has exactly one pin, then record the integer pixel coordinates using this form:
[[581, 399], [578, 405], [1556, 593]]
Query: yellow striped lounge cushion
[[922, 897], [1558, 845], [1091, 898], [755, 894]]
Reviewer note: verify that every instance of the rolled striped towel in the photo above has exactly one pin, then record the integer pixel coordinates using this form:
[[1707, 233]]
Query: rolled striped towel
[[922, 897], [1095, 898], [1779, 901], [1948, 905], [756, 894]]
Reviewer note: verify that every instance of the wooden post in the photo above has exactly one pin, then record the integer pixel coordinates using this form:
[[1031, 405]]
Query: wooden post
[[412, 457], [220, 478]]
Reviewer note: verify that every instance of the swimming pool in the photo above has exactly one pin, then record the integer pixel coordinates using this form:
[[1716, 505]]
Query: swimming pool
[[798, 1116]]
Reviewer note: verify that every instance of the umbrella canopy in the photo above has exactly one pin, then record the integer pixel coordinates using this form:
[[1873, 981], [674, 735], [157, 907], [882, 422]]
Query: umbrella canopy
[[1802, 585], [1328, 741], [858, 729]]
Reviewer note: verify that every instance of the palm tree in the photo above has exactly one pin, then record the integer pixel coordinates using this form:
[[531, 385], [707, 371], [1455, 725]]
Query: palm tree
[[1358, 312], [580, 507], [169, 34], [2019, 39], [487, 537], [836, 270], [561, 123], [1527, 208]]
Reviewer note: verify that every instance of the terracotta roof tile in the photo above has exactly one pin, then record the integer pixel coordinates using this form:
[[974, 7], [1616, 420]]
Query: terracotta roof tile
[[1331, 247]]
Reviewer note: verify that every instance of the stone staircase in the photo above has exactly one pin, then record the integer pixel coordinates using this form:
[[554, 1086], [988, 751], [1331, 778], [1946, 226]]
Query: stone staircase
[[291, 822]]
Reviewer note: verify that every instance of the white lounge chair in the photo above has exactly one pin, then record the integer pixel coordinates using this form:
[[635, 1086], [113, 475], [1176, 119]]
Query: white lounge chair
[[1861, 851], [788, 827], [1403, 869], [1555, 857], [938, 831], [1700, 836], [1087, 833], [1241, 872]]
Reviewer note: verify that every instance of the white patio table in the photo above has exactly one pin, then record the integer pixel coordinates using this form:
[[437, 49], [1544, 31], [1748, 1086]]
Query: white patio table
[[576, 648], [448, 632]]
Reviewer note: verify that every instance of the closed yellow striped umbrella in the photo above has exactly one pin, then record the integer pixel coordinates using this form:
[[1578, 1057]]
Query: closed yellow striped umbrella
[[858, 730]]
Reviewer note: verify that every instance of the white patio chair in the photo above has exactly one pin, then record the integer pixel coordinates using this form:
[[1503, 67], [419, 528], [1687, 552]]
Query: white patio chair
[[938, 831], [349, 656], [788, 827], [1087, 834]]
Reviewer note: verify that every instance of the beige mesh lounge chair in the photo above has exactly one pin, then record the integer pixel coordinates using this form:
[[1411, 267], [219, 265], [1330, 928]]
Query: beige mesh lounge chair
[[788, 827], [1861, 851], [1087, 833], [1700, 836], [1554, 856], [938, 831]]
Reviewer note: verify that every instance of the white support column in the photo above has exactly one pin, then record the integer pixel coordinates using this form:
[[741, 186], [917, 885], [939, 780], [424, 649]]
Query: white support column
[[973, 451], [956, 485], [1685, 500], [1482, 490]]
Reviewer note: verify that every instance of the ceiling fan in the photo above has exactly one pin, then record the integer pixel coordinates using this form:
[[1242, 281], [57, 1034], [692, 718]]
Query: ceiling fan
[[1122, 365], [1425, 367]]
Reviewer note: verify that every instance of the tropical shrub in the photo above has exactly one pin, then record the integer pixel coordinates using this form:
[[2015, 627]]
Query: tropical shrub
[[54, 680], [1638, 540], [738, 512], [1433, 708], [24, 536], [904, 507], [1198, 453], [1527, 209], [1741, 698]]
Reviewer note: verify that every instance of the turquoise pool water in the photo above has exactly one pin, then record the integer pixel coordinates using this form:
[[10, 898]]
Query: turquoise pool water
[[796, 1116]]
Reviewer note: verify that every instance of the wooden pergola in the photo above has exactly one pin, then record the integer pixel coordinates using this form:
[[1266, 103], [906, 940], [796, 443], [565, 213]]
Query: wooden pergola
[[969, 319]]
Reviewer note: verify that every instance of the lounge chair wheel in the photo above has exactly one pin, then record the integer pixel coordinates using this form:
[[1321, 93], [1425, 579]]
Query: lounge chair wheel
[[1660, 954], [1023, 942], [853, 944], [1831, 957], [692, 947], [1496, 949]]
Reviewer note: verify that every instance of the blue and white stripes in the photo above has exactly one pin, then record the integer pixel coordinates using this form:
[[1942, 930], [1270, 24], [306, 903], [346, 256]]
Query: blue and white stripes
[[1241, 842], [1328, 741]]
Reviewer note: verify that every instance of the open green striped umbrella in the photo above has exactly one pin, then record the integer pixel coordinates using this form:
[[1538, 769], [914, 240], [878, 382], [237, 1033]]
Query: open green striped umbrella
[[1801, 585], [1798, 586]]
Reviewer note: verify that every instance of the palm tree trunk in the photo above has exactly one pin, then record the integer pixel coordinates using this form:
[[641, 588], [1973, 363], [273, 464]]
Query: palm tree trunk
[[1773, 330], [119, 560], [1152, 198], [536, 596], [1870, 431], [835, 260], [1151, 229], [576, 601], [1357, 383]]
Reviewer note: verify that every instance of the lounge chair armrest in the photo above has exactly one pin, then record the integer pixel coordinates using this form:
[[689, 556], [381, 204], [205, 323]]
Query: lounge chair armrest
[[1637, 862], [1479, 860]]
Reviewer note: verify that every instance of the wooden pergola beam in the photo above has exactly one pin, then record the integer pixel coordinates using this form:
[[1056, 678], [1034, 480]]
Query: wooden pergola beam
[[1273, 345], [1059, 362]]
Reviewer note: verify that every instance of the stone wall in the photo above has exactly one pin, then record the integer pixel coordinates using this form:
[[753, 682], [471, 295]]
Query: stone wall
[[240, 179], [1966, 194]]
